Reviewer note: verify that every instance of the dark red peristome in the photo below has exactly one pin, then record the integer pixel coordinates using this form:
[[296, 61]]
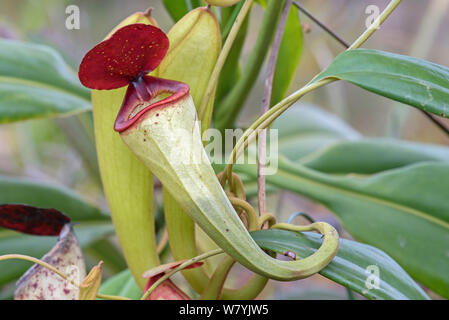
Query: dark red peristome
[[142, 91], [131, 52], [32, 220]]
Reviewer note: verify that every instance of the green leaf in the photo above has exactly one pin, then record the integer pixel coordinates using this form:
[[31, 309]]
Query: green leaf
[[228, 16], [289, 57], [305, 128], [412, 81], [92, 223], [35, 82], [323, 142], [403, 212], [230, 106], [107, 251], [123, 285], [231, 69], [349, 267], [373, 155], [23, 191], [178, 8], [262, 3]]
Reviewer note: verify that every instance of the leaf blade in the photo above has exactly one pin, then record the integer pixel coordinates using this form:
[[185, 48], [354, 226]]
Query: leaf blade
[[349, 266], [290, 52], [388, 210], [35, 82], [412, 81]]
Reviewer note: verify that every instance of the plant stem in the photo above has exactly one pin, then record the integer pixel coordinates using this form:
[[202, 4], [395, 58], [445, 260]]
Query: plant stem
[[231, 20], [320, 24], [108, 297], [179, 268], [266, 119], [268, 89], [39, 262], [162, 242], [214, 288], [375, 25], [56, 271], [334, 35], [251, 215], [230, 106], [436, 121], [205, 114]]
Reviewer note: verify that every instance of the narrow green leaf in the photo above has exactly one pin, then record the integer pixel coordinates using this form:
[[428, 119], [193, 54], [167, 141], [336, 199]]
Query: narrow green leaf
[[107, 251], [35, 82], [403, 212], [418, 83], [305, 128], [93, 224], [15, 190], [20, 101], [231, 69], [349, 267], [178, 8], [289, 57], [373, 155], [262, 3], [230, 106], [123, 285], [228, 17]]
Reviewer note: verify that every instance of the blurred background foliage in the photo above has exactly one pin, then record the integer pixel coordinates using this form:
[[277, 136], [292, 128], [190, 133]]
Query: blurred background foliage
[[55, 151]]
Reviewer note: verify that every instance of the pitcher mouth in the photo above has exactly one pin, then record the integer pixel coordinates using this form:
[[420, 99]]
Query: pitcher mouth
[[142, 95]]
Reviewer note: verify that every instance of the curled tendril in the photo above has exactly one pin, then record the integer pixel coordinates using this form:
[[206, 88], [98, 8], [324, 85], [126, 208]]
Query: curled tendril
[[266, 217], [236, 186], [250, 213]]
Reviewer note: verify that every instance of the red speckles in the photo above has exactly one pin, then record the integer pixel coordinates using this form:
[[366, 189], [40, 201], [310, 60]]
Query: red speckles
[[39, 283], [32, 220], [129, 53]]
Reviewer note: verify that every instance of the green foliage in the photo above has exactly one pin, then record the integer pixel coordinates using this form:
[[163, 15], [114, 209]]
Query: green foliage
[[349, 267], [35, 82], [412, 81], [402, 211], [229, 108], [289, 57], [92, 223], [179, 8], [338, 158], [122, 285], [304, 129], [389, 194]]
